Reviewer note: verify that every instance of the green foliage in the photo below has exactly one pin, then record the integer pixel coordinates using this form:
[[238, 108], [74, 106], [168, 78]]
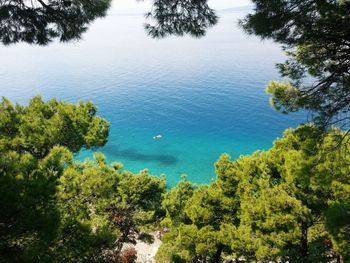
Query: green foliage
[[188, 243], [316, 39], [197, 231], [35, 146], [180, 17], [174, 202], [338, 218], [29, 216], [39, 21], [286, 98], [38, 127], [55, 209], [102, 208], [289, 203]]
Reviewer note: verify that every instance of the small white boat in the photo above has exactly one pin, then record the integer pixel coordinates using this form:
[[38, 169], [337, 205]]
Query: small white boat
[[157, 136]]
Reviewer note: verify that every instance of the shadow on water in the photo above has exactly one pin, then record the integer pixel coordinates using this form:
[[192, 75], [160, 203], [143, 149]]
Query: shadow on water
[[135, 155]]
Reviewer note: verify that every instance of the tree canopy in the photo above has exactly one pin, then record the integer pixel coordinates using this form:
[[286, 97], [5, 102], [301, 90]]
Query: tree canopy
[[180, 17], [316, 37], [280, 205], [38, 127], [290, 203], [41, 21], [35, 148], [55, 209], [102, 208]]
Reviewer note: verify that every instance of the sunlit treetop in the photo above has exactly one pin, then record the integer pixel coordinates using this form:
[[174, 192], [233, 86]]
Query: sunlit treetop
[[39, 126]]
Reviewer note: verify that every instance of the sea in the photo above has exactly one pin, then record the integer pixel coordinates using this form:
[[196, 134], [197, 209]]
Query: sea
[[204, 96]]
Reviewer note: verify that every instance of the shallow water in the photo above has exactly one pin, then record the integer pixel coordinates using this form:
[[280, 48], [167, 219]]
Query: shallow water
[[204, 96]]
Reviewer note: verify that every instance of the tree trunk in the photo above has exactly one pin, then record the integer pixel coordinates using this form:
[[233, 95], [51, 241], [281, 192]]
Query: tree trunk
[[340, 259], [303, 241], [217, 256]]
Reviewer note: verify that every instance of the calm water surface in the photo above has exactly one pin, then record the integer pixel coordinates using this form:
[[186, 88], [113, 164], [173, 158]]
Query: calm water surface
[[204, 96]]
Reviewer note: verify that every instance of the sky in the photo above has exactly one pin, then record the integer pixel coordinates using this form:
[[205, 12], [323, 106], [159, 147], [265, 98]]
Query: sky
[[134, 6]]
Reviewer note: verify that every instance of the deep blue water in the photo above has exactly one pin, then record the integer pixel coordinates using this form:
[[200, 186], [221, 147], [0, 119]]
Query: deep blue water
[[204, 96]]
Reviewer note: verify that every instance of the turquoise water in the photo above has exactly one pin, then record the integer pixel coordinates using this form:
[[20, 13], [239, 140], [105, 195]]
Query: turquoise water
[[204, 96]]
